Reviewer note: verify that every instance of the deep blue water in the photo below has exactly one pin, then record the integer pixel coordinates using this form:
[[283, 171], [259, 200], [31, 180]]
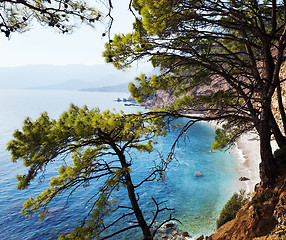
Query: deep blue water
[[197, 201]]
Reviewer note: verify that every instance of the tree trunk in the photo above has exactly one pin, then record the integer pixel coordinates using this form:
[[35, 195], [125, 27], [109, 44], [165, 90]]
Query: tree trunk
[[138, 213], [133, 200], [131, 193], [267, 166]]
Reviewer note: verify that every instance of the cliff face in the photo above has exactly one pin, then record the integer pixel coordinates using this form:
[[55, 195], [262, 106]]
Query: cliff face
[[163, 99], [263, 218]]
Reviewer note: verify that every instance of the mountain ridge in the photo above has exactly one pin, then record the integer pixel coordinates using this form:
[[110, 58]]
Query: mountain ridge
[[114, 88], [84, 86], [39, 76]]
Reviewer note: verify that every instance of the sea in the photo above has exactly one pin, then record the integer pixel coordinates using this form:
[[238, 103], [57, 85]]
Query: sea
[[195, 201]]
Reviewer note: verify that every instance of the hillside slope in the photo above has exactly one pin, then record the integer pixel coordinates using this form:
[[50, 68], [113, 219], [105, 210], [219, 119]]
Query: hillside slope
[[263, 218]]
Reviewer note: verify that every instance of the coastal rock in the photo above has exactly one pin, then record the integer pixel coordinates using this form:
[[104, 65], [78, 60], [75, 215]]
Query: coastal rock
[[243, 179], [180, 237], [166, 98], [198, 174], [201, 237], [168, 229], [185, 234], [165, 237], [162, 99], [169, 225]]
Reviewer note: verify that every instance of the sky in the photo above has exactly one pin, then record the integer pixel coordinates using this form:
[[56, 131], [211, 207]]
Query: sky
[[46, 46]]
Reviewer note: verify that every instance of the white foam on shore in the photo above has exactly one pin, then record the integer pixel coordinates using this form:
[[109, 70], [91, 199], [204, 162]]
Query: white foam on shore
[[247, 153], [248, 159]]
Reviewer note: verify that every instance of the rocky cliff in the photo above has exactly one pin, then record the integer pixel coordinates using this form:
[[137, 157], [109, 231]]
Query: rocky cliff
[[163, 99], [263, 218]]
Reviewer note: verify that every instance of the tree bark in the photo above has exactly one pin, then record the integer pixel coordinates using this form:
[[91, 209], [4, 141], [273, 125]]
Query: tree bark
[[133, 200], [138, 213], [131, 191], [267, 166]]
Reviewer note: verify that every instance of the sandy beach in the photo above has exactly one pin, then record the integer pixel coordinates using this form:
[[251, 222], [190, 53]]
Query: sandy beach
[[248, 155], [247, 151]]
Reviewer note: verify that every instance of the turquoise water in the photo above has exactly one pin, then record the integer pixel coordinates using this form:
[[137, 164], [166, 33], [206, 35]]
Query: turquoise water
[[197, 201]]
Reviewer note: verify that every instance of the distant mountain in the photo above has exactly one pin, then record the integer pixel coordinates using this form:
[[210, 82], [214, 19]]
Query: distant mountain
[[58, 77], [115, 88], [73, 84]]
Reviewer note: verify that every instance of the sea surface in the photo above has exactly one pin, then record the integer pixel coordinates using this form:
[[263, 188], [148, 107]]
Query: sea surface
[[196, 201]]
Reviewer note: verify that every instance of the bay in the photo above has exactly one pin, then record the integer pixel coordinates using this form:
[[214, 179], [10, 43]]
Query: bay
[[197, 201]]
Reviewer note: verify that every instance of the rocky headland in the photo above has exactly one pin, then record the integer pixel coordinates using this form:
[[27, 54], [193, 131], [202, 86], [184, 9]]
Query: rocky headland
[[164, 98]]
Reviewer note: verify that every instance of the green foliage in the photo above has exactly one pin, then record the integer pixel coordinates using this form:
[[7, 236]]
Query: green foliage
[[97, 143], [222, 139], [229, 133], [194, 43], [122, 47], [231, 208], [63, 15]]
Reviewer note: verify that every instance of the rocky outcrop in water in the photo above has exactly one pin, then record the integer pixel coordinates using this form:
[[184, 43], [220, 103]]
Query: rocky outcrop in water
[[170, 231]]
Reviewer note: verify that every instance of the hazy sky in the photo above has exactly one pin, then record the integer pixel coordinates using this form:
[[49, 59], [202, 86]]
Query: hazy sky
[[45, 46]]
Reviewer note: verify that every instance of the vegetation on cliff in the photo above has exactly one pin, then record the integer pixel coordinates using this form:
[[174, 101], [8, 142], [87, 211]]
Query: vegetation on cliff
[[231, 208], [262, 218]]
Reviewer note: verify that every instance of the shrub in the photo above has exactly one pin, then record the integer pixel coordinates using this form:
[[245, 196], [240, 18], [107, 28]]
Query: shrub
[[231, 207], [265, 196]]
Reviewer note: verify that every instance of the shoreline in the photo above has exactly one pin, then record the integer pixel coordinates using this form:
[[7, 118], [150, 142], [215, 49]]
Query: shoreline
[[247, 153]]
